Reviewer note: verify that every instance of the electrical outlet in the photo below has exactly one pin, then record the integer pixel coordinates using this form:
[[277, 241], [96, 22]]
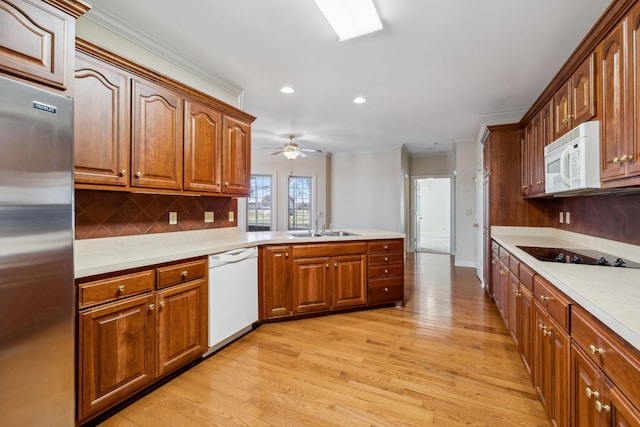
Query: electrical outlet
[[208, 217], [232, 216], [173, 218], [561, 217], [567, 217]]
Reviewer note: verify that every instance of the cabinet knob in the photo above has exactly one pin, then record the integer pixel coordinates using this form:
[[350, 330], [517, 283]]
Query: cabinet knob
[[335, 265], [386, 247], [386, 259], [591, 393], [600, 407], [286, 254], [218, 183], [139, 174], [327, 265], [595, 350], [162, 303], [386, 290], [152, 307], [123, 172], [543, 298], [616, 160], [386, 272], [121, 288], [226, 184], [184, 274]]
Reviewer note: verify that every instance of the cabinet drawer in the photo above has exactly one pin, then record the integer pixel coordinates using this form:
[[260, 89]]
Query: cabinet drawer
[[331, 249], [556, 304], [504, 255], [385, 259], [382, 271], [614, 355], [495, 247], [115, 288], [526, 276], [386, 246], [385, 290], [181, 273], [514, 264]]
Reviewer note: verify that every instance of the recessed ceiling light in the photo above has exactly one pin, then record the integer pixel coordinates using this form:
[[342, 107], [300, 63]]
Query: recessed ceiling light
[[359, 100], [287, 89], [350, 18]]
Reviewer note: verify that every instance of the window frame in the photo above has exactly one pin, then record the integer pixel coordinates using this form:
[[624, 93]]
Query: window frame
[[272, 204]]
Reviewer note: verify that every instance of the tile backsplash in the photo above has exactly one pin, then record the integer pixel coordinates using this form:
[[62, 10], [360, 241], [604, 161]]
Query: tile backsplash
[[113, 213]]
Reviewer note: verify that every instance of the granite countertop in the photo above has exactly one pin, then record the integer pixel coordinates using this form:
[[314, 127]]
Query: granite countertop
[[610, 294], [107, 255]]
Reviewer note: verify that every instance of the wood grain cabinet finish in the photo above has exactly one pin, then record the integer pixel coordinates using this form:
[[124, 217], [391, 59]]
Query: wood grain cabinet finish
[[202, 148], [311, 284], [129, 343], [276, 283], [349, 281], [101, 146], [116, 352], [385, 263], [37, 40], [156, 142], [236, 157], [561, 102]]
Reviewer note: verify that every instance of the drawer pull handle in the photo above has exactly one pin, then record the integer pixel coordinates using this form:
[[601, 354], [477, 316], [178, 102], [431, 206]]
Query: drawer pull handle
[[327, 265], [386, 272], [596, 350], [123, 172], [386, 290], [386, 259], [386, 247], [162, 303], [184, 274], [139, 174], [121, 288], [591, 393], [286, 254], [335, 265], [152, 307], [600, 407], [543, 298]]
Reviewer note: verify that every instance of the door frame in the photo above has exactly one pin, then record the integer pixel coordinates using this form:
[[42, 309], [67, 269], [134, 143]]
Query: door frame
[[452, 211]]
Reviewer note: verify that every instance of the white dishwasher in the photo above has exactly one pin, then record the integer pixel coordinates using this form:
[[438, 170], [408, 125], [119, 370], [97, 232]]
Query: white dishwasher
[[233, 295]]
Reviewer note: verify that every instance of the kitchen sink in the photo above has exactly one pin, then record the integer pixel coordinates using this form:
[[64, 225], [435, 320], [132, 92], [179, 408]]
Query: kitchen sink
[[339, 233], [305, 234]]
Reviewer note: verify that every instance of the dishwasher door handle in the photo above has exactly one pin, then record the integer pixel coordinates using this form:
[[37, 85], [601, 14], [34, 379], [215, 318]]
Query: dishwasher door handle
[[234, 255]]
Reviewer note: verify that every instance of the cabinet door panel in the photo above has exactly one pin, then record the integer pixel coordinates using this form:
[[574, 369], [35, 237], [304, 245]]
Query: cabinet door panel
[[115, 352], [615, 121], [101, 147], [311, 284], [236, 157], [542, 356], [558, 402], [182, 314], [585, 379], [634, 70], [157, 137], [526, 327], [349, 281], [36, 41], [582, 92], [561, 111], [277, 291], [202, 145], [622, 412]]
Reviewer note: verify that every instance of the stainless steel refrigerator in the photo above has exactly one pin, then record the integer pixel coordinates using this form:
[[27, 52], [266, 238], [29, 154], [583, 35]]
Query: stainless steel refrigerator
[[37, 339]]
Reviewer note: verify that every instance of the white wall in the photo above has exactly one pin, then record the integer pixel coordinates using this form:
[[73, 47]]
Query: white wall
[[314, 165], [97, 34], [465, 205], [368, 190], [432, 165]]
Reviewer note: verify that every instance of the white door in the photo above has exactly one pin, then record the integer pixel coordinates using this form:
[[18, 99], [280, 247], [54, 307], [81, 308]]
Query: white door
[[433, 214]]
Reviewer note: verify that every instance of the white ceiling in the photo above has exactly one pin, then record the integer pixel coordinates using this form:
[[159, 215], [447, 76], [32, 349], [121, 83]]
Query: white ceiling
[[431, 76]]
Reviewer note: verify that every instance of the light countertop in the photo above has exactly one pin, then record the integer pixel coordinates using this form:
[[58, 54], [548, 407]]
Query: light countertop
[[110, 254], [610, 294]]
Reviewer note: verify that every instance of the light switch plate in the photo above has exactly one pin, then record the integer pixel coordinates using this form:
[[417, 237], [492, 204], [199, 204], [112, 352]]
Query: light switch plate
[[208, 217], [232, 216], [173, 218]]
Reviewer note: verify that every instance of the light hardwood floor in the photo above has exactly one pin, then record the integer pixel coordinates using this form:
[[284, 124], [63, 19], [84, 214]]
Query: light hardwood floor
[[445, 359]]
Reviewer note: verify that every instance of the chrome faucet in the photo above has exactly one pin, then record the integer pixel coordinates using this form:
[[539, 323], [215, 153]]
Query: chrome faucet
[[318, 215]]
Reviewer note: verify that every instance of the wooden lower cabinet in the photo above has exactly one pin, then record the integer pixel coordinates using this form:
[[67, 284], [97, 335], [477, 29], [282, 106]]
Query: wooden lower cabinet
[[127, 344], [116, 352], [318, 278]]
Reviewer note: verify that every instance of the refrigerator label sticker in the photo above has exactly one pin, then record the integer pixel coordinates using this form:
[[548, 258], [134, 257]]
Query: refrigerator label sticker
[[43, 107]]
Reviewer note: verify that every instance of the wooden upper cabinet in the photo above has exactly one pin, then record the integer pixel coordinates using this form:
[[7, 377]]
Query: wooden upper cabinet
[[202, 147], [527, 160], [236, 157], [633, 147], [615, 114], [583, 106], [561, 111], [101, 146], [156, 136], [36, 42]]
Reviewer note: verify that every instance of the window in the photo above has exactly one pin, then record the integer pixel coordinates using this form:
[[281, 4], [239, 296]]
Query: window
[[259, 203], [299, 203]]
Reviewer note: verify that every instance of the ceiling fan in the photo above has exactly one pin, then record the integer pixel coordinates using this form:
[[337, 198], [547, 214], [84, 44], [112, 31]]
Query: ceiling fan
[[291, 150]]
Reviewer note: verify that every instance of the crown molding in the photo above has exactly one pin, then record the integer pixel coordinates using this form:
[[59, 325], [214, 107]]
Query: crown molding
[[495, 118], [121, 28]]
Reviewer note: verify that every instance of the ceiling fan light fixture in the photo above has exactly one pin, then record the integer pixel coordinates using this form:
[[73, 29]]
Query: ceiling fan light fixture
[[288, 90], [359, 100], [350, 18], [291, 154]]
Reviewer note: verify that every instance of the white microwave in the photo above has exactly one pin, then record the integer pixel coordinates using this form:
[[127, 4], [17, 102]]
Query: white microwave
[[572, 162]]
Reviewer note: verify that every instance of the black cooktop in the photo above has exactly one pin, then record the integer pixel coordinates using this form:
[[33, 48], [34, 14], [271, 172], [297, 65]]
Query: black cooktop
[[578, 256]]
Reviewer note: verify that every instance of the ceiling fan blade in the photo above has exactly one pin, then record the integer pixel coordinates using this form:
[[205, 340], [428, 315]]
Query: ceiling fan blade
[[276, 153], [271, 148], [301, 154], [311, 150]]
